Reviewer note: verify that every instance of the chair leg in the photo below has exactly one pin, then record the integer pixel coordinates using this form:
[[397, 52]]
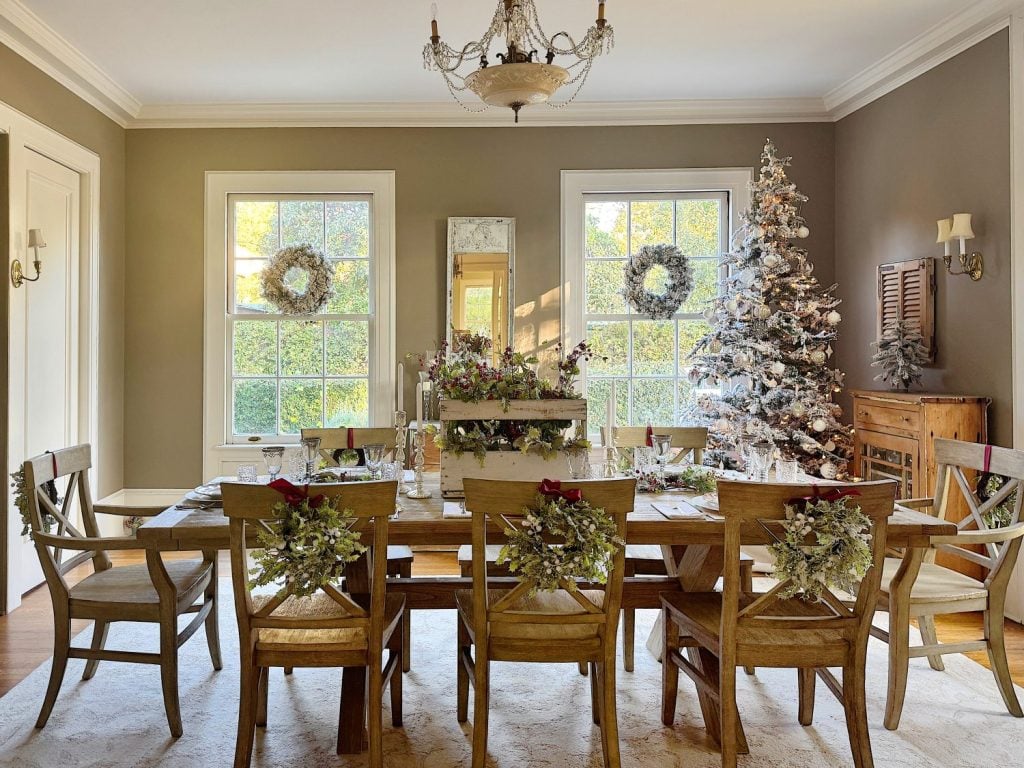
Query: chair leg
[[806, 680], [375, 710], [99, 639], [899, 662], [61, 644], [747, 585], [262, 695], [997, 657], [728, 715], [595, 694], [169, 672], [927, 626], [406, 573], [398, 649], [669, 670], [481, 705], [463, 646], [609, 714], [856, 712], [628, 637], [247, 706], [212, 626]]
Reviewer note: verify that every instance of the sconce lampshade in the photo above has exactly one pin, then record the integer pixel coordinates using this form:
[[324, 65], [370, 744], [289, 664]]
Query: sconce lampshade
[[962, 226], [35, 239], [945, 230]]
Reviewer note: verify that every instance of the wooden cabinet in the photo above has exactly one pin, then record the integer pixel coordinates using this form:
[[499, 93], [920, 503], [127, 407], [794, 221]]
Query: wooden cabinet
[[894, 436]]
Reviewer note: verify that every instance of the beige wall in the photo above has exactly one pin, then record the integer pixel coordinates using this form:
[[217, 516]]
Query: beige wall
[[35, 94], [510, 171], [936, 146]]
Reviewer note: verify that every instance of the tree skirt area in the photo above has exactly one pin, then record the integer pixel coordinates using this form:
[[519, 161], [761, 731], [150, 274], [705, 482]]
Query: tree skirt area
[[540, 714]]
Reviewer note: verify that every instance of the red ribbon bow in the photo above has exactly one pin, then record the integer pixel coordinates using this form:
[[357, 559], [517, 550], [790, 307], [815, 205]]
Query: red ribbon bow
[[554, 488], [294, 495], [831, 495]]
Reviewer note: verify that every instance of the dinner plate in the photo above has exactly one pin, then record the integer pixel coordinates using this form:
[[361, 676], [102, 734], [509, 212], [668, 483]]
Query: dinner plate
[[210, 491], [708, 501], [202, 498]]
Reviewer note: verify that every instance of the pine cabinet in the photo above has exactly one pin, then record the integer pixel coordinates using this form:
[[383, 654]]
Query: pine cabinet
[[893, 439]]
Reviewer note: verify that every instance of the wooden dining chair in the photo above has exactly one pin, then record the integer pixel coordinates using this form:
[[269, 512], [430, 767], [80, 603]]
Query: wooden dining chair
[[720, 631], [156, 591], [400, 557], [521, 625], [649, 559], [936, 589], [329, 629]]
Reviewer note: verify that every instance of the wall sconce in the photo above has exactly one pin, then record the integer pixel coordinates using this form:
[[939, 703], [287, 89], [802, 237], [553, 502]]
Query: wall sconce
[[959, 228], [35, 242]]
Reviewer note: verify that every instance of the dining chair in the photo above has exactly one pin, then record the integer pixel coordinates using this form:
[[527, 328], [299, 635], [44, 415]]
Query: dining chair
[[649, 559], [156, 591], [516, 623], [400, 557], [720, 631], [331, 628], [939, 590]]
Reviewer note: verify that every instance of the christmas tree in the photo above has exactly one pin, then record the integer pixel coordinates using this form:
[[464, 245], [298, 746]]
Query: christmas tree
[[771, 338], [900, 354]]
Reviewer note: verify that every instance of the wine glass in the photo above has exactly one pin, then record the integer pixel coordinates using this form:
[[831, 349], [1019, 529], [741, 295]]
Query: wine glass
[[661, 444], [310, 452], [762, 455], [374, 458], [274, 458]]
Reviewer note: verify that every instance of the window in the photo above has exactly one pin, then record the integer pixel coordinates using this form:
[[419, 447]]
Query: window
[[647, 359], [267, 375]]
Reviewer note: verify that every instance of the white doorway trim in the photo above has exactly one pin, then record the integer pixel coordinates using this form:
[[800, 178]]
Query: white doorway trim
[[27, 135]]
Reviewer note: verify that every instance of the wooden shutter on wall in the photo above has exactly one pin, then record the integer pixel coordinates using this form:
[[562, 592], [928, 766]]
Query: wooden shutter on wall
[[907, 289]]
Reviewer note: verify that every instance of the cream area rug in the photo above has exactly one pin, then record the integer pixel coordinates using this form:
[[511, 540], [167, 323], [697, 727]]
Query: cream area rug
[[540, 714]]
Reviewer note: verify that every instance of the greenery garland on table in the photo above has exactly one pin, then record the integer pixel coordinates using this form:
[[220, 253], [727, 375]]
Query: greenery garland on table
[[318, 288], [309, 544], [697, 479], [588, 537], [660, 306], [826, 546]]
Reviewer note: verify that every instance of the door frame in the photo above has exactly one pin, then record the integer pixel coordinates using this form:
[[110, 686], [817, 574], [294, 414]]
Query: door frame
[[27, 135]]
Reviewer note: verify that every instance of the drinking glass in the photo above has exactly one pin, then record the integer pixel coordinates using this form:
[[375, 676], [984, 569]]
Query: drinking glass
[[762, 455], [661, 444], [786, 470], [374, 458], [641, 457], [296, 466], [579, 464], [310, 453], [273, 456], [247, 473], [393, 470]]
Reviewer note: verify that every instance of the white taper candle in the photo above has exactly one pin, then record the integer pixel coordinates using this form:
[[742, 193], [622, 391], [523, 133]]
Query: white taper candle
[[419, 407], [400, 388]]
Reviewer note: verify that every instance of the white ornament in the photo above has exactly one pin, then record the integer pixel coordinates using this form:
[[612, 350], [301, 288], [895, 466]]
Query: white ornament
[[803, 232], [829, 446], [833, 318], [771, 260], [757, 231], [819, 425], [715, 347], [709, 313], [722, 425], [817, 357], [762, 312], [797, 409], [828, 470], [732, 305]]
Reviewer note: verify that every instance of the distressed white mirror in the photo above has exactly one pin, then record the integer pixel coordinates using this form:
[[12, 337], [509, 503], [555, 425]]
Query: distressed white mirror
[[481, 265]]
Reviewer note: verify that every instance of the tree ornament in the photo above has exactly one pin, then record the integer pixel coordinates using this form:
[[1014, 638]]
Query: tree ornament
[[798, 409], [762, 311], [733, 306], [722, 425], [757, 232], [818, 357], [833, 318], [829, 446], [680, 281], [318, 287], [741, 359], [828, 470], [803, 232], [709, 313], [901, 355], [819, 425], [772, 260]]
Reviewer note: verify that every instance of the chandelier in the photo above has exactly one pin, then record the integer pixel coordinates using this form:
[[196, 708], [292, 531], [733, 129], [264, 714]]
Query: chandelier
[[521, 79]]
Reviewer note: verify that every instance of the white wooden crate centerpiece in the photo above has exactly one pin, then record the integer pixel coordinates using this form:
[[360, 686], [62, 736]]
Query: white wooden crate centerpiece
[[510, 464]]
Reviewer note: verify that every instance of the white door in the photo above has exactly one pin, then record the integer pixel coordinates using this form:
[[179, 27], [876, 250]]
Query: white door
[[44, 333]]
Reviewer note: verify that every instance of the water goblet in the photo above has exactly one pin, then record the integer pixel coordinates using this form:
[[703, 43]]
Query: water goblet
[[274, 457], [374, 454], [661, 444], [296, 466], [310, 453], [579, 464], [762, 454]]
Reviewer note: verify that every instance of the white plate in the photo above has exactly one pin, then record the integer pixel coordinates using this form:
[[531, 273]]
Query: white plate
[[708, 501], [210, 490], [201, 498]]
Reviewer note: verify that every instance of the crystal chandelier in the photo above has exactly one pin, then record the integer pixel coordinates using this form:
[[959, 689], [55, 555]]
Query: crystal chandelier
[[521, 79]]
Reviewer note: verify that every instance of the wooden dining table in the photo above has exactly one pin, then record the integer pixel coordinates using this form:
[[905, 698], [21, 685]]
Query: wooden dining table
[[692, 548]]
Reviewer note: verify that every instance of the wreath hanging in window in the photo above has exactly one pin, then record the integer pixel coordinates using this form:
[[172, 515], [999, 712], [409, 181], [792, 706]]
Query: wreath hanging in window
[[318, 288], [659, 306]]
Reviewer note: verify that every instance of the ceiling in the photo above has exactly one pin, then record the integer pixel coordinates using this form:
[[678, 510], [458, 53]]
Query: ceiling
[[231, 53]]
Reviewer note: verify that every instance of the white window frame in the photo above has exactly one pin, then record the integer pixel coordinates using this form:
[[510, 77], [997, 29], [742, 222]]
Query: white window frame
[[578, 186], [220, 455]]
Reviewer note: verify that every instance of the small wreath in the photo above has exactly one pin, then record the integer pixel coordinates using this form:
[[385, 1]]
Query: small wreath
[[826, 546], [680, 283], [318, 290], [587, 535]]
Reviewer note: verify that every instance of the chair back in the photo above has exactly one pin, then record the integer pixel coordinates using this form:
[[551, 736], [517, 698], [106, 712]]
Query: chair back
[[498, 508], [750, 508], [689, 439], [997, 551], [41, 474], [369, 505], [335, 438]]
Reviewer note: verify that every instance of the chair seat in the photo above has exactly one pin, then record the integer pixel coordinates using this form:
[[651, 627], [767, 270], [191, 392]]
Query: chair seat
[[936, 584], [320, 606], [133, 584], [399, 552], [558, 603]]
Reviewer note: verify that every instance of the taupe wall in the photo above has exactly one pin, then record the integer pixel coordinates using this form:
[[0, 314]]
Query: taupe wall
[[937, 146], [440, 173], [35, 94]]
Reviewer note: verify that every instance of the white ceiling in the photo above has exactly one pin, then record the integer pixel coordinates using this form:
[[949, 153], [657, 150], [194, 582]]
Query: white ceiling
[[232, 52]]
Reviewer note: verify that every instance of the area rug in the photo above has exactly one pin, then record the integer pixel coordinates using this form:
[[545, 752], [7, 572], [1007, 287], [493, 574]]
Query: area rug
[[540, 714]]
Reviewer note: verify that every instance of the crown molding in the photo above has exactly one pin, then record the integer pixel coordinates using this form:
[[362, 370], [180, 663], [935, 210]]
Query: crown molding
[[950, 37], [451, 114], [38, 43]]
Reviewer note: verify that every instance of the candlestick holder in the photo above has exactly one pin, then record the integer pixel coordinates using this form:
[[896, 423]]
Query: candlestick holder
[[419, 492], [610, 459], [401, 436]]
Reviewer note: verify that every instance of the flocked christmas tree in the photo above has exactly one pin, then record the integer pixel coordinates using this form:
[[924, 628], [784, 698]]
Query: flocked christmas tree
[[771, 339], [901, 355]]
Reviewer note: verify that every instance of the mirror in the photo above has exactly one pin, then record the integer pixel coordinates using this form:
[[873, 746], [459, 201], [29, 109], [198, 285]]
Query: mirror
[[481, 260]]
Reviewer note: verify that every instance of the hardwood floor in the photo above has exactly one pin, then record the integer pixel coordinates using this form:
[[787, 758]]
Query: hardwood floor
[[26, 635]]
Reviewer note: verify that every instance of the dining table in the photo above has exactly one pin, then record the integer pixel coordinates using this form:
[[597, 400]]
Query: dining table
[[692, 545]]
